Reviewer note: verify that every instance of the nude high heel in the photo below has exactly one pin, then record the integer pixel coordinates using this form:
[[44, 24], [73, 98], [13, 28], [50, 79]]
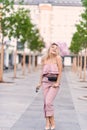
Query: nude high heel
[[47, 128], [52, 128]]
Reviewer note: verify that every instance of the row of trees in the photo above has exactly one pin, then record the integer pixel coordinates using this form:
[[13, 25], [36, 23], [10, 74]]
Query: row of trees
[[79, 40], [16, 23]]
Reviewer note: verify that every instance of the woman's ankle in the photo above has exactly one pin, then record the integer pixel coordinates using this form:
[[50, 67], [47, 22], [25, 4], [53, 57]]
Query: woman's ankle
[[47, 123], [52, 122]]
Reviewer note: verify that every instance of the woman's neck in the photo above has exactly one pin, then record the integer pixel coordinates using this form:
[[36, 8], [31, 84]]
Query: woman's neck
[[52, 56]]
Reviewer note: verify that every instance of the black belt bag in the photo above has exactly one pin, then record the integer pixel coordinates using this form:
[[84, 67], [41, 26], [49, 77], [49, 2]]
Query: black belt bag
[[52, 78]]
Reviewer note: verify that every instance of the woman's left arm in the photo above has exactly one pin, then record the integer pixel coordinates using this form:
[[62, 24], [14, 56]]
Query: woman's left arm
[[59, 64]]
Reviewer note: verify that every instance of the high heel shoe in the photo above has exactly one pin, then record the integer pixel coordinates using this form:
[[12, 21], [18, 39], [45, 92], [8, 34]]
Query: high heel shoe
[[47, 128], [52, 128]]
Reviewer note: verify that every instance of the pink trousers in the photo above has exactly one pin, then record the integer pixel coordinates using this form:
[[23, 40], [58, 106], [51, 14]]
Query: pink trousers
[[49, 96]]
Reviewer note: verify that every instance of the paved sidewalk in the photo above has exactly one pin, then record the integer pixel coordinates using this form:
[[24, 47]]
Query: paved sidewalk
[[78, 91], [22, 109]]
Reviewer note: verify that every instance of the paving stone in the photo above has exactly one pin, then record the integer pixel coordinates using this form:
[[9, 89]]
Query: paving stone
[[22, 109]]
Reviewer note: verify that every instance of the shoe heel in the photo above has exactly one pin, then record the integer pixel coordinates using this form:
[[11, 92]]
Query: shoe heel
[[47, 128], [52, 128]]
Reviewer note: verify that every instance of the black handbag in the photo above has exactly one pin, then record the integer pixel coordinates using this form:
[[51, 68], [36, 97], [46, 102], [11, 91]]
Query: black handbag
[[52, 78]]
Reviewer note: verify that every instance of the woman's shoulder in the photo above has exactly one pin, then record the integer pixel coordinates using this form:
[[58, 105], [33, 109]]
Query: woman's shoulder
[[59, 57], [59, 60], [43, 59]]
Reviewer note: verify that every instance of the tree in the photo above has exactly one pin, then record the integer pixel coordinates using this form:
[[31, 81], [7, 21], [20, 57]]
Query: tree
[[21, 27], [35, 42], [83, 26], [82, 31], [75, 46], [84, 2], [6, 7]]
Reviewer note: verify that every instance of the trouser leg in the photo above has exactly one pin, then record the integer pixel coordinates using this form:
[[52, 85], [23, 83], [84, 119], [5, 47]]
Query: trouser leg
[[49, 96]]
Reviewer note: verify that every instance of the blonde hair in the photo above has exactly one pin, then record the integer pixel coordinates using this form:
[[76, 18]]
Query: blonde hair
[[47, 56]]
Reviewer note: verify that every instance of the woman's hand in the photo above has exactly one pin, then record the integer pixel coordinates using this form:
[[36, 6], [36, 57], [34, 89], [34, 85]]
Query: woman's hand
[[38, 87], [56, 85]]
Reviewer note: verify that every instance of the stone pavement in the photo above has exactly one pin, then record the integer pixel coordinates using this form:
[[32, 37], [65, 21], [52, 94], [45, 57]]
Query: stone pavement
[[22, 109]]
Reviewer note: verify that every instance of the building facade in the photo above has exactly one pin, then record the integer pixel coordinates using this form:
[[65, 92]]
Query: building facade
[[55, 19]]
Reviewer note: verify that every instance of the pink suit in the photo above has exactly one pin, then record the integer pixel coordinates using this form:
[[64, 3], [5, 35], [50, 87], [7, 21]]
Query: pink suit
[[48, 91]]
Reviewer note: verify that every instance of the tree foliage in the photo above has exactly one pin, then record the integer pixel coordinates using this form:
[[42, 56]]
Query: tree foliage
[[84, 2], [21, 25], [6, 7], [24, 30], [35, 42], [75, 43], [79, 39], [82, 29]]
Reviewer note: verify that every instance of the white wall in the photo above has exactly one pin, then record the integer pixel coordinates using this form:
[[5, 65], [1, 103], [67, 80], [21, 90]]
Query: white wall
[[67, 61]]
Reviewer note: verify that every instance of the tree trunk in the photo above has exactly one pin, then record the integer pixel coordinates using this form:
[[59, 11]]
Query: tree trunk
[[34, 62], [1, 62], [78, 69], [84, 76], [24, 63], [81, 66], [15, 66], [29, 63], [74, 64]]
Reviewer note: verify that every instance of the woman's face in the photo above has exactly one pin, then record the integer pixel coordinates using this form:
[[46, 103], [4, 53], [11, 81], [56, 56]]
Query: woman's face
[[54, 49]]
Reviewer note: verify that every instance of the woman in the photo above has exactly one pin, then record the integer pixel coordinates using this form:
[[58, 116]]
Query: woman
[[50, 82]]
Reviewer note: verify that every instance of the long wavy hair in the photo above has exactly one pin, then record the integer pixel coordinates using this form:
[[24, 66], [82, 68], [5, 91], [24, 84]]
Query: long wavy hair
[[48, 52]]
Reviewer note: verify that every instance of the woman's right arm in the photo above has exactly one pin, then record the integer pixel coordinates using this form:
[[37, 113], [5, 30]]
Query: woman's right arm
[[41, 76]]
